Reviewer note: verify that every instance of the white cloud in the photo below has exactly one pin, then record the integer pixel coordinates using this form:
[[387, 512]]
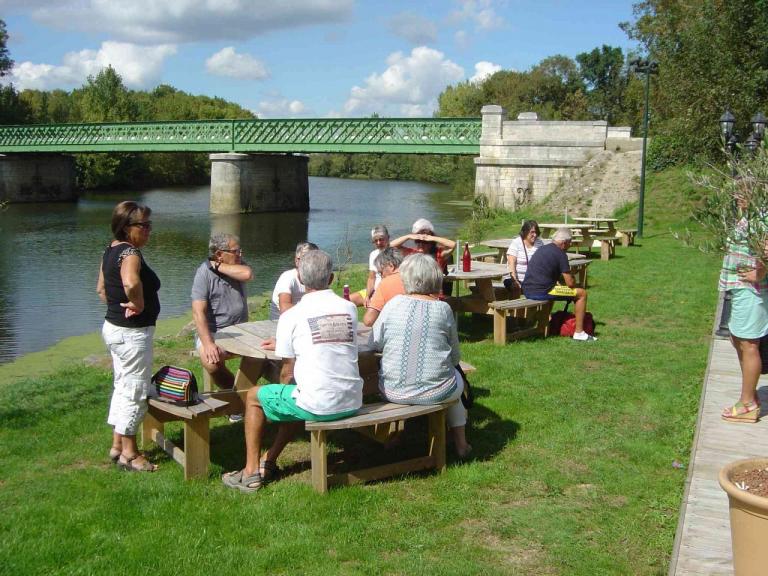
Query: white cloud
[[139, 67], [227, 62], [413, 27], [480, 12], [484, 69], [281, 108], [409, 86], [178, 21]]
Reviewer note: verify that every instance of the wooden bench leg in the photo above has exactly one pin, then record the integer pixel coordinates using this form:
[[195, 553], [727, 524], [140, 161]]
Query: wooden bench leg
[[197, 450], [148, 425], [500, 327], [319, 457], [605, 250], [436, 439], [624, 239]]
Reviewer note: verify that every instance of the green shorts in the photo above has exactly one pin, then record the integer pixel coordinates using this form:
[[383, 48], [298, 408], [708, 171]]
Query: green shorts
[[749, 314], [279, 406]]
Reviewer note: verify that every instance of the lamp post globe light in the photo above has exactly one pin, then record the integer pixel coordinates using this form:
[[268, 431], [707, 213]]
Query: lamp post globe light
[[647, 67], [731, 141]]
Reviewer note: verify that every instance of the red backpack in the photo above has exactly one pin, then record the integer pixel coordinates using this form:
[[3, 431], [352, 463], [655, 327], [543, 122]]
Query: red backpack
[[564, 323]]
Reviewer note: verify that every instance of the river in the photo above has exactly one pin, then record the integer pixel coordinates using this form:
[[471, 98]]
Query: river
[[49, 253]]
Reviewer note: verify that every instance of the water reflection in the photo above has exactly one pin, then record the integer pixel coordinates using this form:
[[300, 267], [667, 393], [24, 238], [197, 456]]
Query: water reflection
[[49, 254]]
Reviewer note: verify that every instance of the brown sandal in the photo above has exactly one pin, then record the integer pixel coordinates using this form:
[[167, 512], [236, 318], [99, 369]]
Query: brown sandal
[[129, 466]]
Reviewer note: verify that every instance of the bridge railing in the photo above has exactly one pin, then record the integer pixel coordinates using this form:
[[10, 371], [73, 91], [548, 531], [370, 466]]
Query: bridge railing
[[372, 135]]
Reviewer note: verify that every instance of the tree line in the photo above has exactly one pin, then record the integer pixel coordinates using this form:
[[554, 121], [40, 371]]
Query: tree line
[[104, 98]]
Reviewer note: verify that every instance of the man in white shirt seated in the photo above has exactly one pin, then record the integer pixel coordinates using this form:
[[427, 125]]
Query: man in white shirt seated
[[288, 288], [317, 340]]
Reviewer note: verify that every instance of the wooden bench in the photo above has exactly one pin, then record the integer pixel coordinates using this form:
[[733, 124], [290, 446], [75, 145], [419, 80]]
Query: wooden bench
[[368, 417], [535, 310], [627, 236], [195, 456], [607, 246]]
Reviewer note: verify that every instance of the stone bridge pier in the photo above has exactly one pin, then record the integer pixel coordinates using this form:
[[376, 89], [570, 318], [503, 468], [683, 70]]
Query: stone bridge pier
[[523, 161], [259, 183], [37, 178]]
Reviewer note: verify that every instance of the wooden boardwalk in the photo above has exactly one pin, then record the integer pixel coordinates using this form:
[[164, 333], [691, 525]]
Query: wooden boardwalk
[[703, 539]]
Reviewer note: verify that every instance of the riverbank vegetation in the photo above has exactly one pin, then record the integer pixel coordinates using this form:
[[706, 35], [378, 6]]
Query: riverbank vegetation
[[572, 472]]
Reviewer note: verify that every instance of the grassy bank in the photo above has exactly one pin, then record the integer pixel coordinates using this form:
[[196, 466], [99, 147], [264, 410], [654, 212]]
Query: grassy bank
[[573, 471]]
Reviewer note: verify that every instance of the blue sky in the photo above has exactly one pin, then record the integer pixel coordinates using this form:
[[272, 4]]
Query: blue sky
[[301, 58]]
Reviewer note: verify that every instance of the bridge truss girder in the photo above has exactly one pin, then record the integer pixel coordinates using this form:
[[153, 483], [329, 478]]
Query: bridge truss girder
[[347, 135]]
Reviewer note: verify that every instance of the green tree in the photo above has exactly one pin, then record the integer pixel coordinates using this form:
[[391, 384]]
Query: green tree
[[5, 58], [603, 72], [460, 101], [712, 54], [105, 99]]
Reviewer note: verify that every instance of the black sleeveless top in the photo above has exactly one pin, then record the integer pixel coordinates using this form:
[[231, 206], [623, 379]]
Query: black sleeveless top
[[113, 286]]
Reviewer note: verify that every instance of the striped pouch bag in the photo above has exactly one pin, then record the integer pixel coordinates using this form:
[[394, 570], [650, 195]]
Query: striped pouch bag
[[175, 386]]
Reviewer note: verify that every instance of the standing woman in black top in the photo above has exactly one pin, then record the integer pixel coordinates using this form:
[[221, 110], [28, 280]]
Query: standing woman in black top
[[129, 287]]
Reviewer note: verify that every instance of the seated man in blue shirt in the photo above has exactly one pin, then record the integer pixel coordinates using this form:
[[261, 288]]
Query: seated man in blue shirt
[[544, 270]]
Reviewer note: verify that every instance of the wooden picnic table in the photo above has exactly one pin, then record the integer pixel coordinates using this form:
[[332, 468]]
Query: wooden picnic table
[[482, 274], [604, 225], [246, 340], [548, 228], [501, 245]]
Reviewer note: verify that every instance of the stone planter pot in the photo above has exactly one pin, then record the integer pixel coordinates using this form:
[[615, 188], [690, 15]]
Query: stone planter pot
[[749, 520]]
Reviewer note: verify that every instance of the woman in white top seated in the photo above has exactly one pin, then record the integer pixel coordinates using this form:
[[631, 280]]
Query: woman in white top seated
[[519, 253], [288, 289]]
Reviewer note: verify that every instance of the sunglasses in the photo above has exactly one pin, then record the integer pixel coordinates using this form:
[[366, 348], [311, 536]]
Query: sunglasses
[[143, 225]]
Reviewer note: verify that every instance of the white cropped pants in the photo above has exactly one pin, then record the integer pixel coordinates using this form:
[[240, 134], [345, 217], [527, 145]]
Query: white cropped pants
[[131, 350]]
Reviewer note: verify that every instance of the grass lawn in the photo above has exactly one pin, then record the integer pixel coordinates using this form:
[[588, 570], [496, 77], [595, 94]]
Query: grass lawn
[[574, 444]]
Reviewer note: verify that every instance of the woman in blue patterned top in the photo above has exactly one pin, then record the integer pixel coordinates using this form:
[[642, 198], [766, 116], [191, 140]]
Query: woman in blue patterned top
[[744, 276], [417, 334]]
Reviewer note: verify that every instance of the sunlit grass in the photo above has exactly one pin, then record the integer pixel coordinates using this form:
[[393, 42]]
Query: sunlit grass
[[573, 474]]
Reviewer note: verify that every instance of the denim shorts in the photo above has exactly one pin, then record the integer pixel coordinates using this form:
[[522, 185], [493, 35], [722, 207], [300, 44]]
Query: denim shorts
[[749, 314]]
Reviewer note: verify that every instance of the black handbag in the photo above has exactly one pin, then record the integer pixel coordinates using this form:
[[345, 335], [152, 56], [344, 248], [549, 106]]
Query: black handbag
[[764, 354]]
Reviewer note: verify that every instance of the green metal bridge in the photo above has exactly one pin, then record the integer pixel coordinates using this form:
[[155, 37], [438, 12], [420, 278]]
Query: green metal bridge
[[357, 135]]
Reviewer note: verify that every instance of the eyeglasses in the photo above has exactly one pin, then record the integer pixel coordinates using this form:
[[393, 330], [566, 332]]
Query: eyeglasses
[[143, 225], [235, 251]]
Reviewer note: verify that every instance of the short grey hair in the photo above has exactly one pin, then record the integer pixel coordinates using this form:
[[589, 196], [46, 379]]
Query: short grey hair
[[562, 235], [421, 275], [304, 247], [379, 230], [221, 241], [388, 257], [315, 270]]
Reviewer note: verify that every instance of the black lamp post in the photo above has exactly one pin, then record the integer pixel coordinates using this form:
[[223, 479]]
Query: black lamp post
[[646, 67], [731, 141]]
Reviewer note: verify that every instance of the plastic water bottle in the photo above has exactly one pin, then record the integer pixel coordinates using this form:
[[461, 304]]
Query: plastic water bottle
[[346, 291]]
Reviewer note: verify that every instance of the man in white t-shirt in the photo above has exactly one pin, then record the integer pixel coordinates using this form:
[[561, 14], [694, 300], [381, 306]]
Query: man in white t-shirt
[[317, 340], [288, 288]]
